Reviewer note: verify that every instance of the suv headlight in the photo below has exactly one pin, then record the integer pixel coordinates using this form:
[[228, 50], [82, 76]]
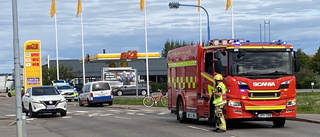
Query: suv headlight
[[35, 101], [62, 100], [291, 102], [236, 104]]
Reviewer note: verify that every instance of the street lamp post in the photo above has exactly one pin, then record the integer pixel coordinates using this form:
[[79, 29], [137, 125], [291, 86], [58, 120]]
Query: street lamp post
[[175, 5]]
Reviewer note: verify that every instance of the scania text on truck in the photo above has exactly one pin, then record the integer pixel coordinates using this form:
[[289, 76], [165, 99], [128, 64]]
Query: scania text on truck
[[259, 78]]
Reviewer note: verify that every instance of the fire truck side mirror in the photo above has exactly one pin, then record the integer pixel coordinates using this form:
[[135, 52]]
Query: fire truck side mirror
[[241, 54], [296, 61]]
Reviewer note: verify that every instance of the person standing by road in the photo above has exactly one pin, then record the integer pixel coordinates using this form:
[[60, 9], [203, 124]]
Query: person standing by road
[[219, 102]]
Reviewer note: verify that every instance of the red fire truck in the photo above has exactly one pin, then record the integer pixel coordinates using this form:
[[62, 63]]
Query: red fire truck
[[259, 78]]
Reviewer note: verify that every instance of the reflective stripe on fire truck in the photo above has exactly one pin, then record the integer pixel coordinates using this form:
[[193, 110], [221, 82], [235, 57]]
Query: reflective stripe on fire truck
[[180, 82], [280, 107], [183, 64]]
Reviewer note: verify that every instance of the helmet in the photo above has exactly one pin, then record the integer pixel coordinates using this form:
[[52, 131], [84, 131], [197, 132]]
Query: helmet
[[218, 77]]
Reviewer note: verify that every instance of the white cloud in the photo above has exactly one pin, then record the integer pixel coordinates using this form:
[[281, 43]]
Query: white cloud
[[118, 25]]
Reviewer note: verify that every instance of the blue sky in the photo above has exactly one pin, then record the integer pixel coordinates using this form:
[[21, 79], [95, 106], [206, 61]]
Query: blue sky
[[118, 25]]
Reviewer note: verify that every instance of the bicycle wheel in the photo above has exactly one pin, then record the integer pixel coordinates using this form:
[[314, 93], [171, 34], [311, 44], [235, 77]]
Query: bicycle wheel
[[148, 101], [164, 101]]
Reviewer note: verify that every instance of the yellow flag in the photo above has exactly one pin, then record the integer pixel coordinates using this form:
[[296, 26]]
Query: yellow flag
[[199, 4], [141, 5], [228, 4], [79, 9], [53, 8]]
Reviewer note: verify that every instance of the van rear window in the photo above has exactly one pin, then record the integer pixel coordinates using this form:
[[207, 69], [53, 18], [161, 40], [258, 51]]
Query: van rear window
[[100, 86]]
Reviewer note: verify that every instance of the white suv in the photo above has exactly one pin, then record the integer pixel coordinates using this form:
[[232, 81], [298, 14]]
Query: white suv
[[43, 99]]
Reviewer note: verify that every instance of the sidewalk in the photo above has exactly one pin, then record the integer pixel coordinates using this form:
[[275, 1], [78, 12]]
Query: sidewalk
[[311, 118]]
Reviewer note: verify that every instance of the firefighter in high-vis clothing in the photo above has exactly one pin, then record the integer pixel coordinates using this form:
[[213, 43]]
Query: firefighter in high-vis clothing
[[219, 102]]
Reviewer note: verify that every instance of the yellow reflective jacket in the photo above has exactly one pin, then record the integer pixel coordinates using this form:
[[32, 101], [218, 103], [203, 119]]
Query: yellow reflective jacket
[[222, 99]]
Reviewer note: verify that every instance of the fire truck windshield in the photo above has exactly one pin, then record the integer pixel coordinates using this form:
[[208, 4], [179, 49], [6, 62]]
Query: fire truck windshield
[[253, 63]]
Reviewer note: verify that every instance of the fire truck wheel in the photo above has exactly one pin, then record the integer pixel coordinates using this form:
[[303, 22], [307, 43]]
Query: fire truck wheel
[[278, 122], [181, 116]]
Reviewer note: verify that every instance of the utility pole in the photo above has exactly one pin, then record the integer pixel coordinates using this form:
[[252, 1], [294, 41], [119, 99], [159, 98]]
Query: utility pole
[[17, 79]]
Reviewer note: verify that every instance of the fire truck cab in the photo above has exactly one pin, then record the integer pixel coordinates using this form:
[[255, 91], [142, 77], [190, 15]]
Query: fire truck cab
[[258, 75]]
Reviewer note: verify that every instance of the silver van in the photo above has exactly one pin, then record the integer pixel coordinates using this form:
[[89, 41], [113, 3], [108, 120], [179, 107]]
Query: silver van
[[98, 92]]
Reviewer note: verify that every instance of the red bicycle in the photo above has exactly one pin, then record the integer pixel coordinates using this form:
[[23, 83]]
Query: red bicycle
[[149, 101]]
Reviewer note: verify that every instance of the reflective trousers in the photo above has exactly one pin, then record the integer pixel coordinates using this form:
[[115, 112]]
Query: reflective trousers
[[221, 122]]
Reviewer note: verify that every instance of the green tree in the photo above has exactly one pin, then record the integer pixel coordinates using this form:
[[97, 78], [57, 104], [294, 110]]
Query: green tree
[[315, 61], [305, 60], [49, 74], [169, 45]]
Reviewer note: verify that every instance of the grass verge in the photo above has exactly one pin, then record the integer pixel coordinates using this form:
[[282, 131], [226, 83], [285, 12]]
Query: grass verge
[[308, 103], [132, 101], [128, 101]]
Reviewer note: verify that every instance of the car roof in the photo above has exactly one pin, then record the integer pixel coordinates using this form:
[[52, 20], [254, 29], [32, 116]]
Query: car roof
[[97, 82]]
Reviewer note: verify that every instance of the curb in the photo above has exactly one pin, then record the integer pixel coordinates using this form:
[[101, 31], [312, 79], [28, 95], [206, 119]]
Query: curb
[[4, 118], [305, 120]]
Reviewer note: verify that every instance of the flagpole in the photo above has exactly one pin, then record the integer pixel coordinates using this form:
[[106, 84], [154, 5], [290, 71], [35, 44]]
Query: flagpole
[[56, 29], [82, 45], [232, 26], [146, 42], [200, 26]]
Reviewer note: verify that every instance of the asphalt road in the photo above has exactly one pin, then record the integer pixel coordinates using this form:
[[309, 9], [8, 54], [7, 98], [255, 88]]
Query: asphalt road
[[103, 121]]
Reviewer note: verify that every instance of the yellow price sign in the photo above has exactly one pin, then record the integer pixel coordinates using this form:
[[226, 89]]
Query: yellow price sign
[[32, 64]]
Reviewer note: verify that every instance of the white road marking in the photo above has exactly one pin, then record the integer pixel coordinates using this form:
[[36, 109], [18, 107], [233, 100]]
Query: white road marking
[[140, 114], [198, 128], [11, 115], [130, 113], [82, 111], [102, 115], [161, 113], [122, 117], [67, 117], [94, 114]]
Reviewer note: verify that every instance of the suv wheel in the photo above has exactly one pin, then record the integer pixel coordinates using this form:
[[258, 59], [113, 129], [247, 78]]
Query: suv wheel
[[63, 113], [32, 114], [24, 110], [80, 103]]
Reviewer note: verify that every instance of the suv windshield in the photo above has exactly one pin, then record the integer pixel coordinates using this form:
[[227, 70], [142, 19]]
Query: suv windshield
[[260, 63], [100, 86], [41, 91], [64, 87]]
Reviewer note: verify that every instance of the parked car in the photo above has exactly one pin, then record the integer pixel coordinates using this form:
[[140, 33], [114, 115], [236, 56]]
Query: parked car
[[131, 90], [67, 91], [98, 92], [12, 92], [43, 99]]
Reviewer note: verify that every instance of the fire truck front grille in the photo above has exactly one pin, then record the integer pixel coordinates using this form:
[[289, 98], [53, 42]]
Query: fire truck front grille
[[263, 95]]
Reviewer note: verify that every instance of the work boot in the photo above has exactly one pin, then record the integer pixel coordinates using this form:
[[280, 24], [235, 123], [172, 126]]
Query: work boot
[[215, 130], [220, 131]]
